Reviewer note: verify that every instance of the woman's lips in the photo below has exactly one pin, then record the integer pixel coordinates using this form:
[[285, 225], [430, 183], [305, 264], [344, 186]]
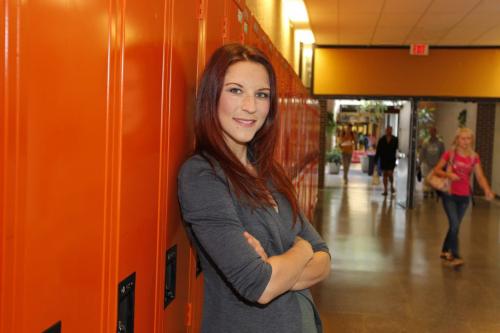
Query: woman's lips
[[245, 122]]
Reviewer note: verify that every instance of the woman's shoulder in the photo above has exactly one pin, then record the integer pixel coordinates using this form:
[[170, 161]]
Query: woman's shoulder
[[199, 165], [449, 153], [196, 165]]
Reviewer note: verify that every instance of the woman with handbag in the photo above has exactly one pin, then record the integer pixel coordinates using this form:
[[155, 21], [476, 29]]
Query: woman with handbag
[[457, 165]]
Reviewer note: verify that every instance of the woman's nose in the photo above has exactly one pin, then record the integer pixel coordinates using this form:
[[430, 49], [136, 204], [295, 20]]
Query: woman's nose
[[249, 104]]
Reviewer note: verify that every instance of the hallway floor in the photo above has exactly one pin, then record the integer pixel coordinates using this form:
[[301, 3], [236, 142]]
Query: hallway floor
[[386, 272]]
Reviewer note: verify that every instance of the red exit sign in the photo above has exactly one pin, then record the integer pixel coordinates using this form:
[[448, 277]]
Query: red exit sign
[[419, 49]]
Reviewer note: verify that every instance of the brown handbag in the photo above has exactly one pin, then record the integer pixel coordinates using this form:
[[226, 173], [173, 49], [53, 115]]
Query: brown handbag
[[439, 183]]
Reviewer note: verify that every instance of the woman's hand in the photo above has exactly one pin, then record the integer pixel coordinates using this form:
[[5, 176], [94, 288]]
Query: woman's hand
[[452, 176], [305, 245], [481, 179], [489, 195], [254, 242], [287, 267]]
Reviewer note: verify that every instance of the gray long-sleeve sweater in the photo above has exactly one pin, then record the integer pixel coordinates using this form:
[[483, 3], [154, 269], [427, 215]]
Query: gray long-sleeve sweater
[[234, 274]]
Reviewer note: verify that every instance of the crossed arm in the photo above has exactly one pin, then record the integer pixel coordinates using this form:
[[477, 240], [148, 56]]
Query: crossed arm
[[208, 208], [296, 269]]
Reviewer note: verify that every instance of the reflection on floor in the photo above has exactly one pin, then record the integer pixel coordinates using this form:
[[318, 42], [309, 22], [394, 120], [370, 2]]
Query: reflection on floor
[[386, 272]]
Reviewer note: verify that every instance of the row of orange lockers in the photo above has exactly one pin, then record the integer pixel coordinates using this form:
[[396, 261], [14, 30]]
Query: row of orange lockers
[[298, 152], [97, 100]]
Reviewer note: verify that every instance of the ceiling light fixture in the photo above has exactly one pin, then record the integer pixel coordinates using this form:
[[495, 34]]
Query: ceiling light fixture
[[296, 11]]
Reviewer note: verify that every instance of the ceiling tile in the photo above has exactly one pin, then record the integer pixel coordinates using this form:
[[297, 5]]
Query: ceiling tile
[[396, 22], [491, 37]]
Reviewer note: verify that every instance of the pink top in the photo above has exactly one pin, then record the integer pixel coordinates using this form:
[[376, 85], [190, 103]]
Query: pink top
[[462, 166]]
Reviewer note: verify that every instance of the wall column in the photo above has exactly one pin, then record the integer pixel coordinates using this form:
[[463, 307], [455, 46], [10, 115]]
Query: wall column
[[485, 131], [322, 143]]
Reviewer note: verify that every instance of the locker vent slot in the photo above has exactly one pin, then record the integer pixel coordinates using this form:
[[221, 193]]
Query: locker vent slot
[[56, 328], [170, 275], [126, 300]]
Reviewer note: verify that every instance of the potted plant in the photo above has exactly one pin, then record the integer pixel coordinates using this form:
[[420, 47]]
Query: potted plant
[[334, 159]]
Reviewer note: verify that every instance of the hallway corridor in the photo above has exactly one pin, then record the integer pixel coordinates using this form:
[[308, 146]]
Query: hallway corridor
[[386, 272]]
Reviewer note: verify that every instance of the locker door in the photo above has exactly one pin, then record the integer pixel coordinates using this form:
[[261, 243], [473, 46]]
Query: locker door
[[254, 32], [56, 109], [235, 19], [247, 21], [140, 138], [183, 47]]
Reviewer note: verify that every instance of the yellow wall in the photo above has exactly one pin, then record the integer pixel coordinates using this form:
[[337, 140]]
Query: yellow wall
[[274, 22], [394, 72]]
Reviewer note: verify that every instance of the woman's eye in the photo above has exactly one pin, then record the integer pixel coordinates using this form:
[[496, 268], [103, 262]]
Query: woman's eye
[[235, 90], [264, 95]]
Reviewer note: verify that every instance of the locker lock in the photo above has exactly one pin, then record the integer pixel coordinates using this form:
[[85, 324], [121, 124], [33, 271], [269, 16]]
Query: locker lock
[[126, 303]]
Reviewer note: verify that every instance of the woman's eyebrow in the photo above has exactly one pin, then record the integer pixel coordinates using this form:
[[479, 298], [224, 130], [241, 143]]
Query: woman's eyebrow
[[235, 83], [241, 86]]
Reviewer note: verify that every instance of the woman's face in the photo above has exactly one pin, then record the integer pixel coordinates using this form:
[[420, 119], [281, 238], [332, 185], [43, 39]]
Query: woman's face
[[464, 141], [244, 103]]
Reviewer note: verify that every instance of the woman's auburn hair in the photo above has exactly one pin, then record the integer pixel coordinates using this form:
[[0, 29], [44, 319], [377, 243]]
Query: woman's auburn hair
[[210, 141]]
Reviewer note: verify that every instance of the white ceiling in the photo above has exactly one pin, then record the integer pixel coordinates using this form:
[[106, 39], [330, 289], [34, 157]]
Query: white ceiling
[[403, 22]]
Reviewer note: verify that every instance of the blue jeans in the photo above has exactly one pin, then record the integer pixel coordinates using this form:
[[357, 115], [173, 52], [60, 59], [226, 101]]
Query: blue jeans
[[455, 207]]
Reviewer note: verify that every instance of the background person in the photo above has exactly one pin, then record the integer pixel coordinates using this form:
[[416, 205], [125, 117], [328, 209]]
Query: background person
[[346, 143], [430, 154], [258, 252], [386, 154], [457, 164]]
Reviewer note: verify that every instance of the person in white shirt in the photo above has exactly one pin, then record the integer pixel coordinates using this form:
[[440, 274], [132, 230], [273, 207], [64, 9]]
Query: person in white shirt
[[432, 150]]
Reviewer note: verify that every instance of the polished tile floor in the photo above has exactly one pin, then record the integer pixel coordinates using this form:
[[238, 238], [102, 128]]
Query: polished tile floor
[[386, 272]]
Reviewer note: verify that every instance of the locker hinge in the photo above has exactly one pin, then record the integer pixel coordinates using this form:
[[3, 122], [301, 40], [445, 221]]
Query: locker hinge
[[201, 9], [189, 314]]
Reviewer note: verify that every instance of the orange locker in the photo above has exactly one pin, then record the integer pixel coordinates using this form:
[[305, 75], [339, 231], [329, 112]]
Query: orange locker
[[236, 21], [254, 32], [182, 47], [140, 164], [286, 133], [212, 34], [56, 171], [257, 36], [265, 44], [247, 23]]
